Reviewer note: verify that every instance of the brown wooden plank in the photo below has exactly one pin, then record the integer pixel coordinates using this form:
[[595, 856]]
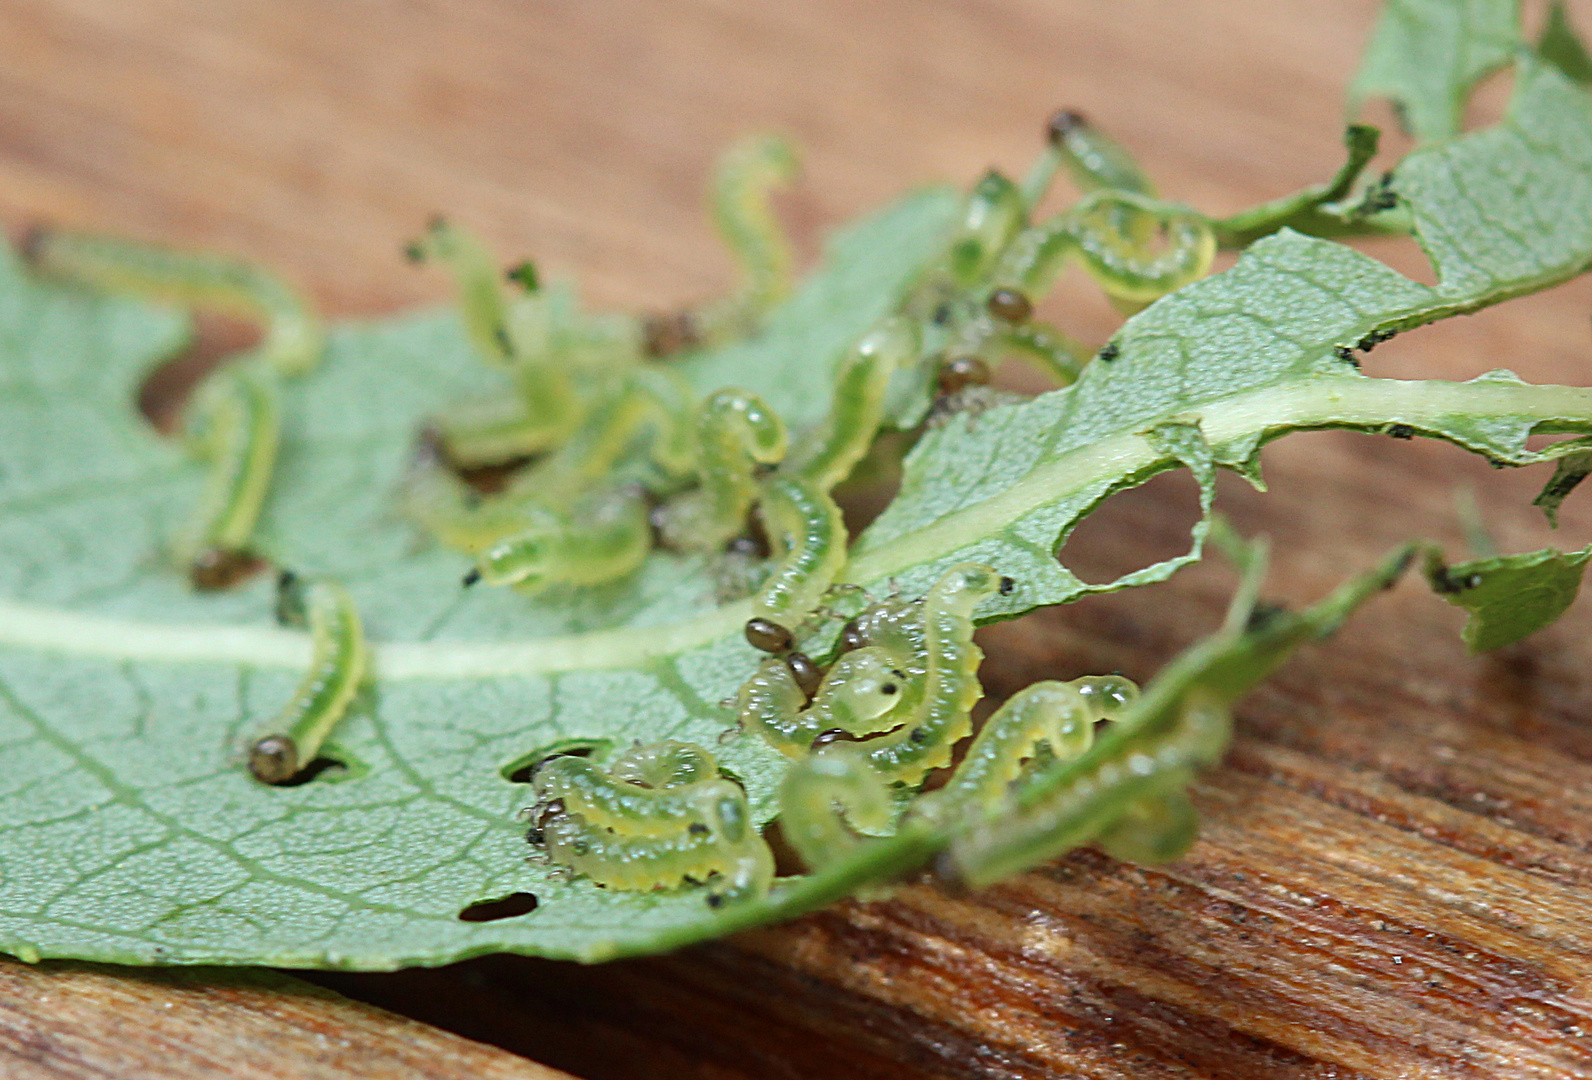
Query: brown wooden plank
[[91, 1022], [1394, 877]]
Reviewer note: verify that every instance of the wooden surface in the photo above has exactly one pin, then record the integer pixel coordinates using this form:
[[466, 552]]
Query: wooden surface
[[1395, 878], [91, 1022]]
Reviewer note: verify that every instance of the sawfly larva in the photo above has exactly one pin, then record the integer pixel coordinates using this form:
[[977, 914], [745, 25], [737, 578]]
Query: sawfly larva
[[809, 540], [602, 537], [735, 434], [828, 797], [338, 664]]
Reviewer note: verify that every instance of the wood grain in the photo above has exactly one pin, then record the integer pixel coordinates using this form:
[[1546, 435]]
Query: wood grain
[[90, 1022], [1394, 876]]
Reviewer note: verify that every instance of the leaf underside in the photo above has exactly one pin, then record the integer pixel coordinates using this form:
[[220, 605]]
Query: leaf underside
[[129, 831]]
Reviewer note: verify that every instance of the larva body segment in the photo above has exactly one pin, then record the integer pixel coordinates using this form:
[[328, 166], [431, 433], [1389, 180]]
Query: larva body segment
[[809, 537], [864, 692], [1154, 829], [233, 422], [338, 664], [1137, 768], [1139, 249], [1093, 159], [822, 795], [603, 537], [994, 214], [735, 434], [294, 338], [950, 683], [691, 826], [746, 176], [832, 450], [625, 807], [477, 282]]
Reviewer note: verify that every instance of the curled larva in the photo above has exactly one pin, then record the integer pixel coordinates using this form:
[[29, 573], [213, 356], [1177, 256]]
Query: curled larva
[[735, 434], [1155, 829], [949, 682], [809, 538], [294, 338], [826, 798], [626, 834], [1138, 766], [233, 423], [1058, 716], [1135, 247], [338, 665], [864, 692], [602, 537], [746, 175], [828, 454], [626, 807], [1092, 158]]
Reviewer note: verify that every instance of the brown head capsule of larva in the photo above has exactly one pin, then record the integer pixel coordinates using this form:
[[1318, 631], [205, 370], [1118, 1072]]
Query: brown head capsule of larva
[[768, 635], [1009, 305], [1064, 123], [220, 568], [807, 674], [274, 759], [852, 637], [962, 371]]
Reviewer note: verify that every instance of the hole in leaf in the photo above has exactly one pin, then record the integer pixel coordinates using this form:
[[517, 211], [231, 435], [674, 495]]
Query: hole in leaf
[[523, 768], [511, 906], [1133, 529]]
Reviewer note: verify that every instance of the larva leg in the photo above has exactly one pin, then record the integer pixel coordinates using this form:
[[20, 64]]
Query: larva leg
[[825, 792], [828, 455], [604, 537], [746, 176], [294, 338], [234, 423], [735, 433], [809, 535], [950, 682], [476, 279], [338, 665]]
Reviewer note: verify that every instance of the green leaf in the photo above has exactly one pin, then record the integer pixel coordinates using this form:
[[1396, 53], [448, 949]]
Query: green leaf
[[1427, 55], [1561, 46], [1508, 596], [129, 831]]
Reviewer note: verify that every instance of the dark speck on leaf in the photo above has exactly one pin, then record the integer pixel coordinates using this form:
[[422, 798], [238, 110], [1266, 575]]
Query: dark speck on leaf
[[1401, 431], [1109, 352]]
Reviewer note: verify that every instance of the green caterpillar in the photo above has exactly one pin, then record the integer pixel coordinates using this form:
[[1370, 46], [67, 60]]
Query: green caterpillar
[[735, 434], [746, 175], [863, 693], [602, 537], [808, 535], [338, 665], [624, 833]]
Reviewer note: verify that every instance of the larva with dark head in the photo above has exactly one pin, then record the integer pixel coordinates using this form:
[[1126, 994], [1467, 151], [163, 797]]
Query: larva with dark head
[[863, 693], [735, 434], [809, 538], [232, 422], [339, 663], [624, 833], [602, 537], [477, 282], [294, 337], [832, 450], [1093, 159]]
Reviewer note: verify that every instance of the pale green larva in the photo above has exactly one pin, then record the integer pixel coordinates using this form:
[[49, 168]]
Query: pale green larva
[[1093, 159], [826, 798], [746, 176], [294, 338], [477, 281], [950, 682], [339, 663], [809, 538], [233, 423], [827, 456], [1155, 829], [624, 834], [736, 433], [1128, 778], [994, 214], [863, 693], [602, 537]]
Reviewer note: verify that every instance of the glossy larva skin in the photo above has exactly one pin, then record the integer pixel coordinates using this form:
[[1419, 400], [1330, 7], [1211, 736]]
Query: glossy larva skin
[[864, 692], [339, 663], [805, 527], [617, 830], [233, 423], [743, 182], [599, 539], [736, 433], [294, 337], [826, 798]]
